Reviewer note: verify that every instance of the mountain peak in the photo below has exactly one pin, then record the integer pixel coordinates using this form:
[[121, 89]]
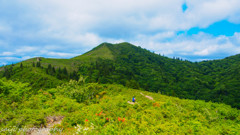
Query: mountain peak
[[104, 51], [101, 51]]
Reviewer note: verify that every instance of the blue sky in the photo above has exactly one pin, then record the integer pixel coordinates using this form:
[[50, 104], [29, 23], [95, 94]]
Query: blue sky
[[191, 29]]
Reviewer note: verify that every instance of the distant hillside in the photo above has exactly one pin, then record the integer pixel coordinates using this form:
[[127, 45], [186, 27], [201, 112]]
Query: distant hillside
[[107, 109], [135, 67]]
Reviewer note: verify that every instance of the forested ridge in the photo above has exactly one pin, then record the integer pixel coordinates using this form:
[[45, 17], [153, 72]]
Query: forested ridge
[[135, 67]]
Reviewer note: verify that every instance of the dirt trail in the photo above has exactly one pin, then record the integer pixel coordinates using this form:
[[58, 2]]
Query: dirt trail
[[51, 121], [132, 103], [149, 97]]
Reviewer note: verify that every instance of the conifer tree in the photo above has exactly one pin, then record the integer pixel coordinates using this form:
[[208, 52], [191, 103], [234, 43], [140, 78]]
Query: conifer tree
[[53, 70], [65, 71], [38, 64], [6, 73]]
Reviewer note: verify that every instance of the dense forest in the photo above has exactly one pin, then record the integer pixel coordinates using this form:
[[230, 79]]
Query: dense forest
[[138, 68]]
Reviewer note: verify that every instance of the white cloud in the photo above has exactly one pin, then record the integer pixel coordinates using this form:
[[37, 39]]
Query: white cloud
[[235, 18], [78, 17], [63, 28], [14, 59], [26, 49], [158, 36], [73, 19], [6, 53], [205, 12], [197, 45], [237, 38], [88, 39], [61, 55]]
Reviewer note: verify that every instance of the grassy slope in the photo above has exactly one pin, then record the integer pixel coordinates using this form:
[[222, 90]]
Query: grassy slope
[[101, 51], [70, 64], [164, 115], [36, 77]]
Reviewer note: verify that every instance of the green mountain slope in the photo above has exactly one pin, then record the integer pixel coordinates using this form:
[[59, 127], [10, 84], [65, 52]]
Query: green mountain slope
[[135, 67], [139, 68], [102, 51], [36, 77], [107, 109]]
